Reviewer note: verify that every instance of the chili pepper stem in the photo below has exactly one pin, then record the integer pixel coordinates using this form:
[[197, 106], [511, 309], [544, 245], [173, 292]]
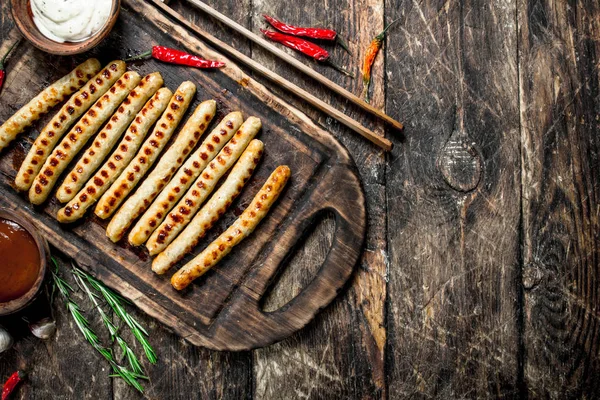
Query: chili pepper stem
[[382, 34], [139, 56], [340, 69], [342, 43], [365, 91], [7, 54]]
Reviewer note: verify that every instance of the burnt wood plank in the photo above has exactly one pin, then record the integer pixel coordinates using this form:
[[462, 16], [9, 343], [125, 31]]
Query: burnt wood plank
[[453, 200], [559, 54]]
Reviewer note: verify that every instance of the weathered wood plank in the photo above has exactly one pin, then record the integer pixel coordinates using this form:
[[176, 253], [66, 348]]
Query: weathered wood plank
[[63, 367], [184, 371], [230, 317], [224, 375], [340, 355], [165, 384], [559, 55], [240, 11], [453, 200]]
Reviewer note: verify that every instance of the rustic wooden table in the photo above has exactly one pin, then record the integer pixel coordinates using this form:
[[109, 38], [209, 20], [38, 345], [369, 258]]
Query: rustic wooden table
[[480, 275]]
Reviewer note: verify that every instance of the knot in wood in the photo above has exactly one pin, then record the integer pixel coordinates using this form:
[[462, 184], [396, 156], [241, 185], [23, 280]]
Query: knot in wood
[[532, 275], [460, 163]]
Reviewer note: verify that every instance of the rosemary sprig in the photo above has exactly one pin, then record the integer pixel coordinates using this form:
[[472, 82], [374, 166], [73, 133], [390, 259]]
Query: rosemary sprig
[[134, 363], [116, 301], [84, 326]]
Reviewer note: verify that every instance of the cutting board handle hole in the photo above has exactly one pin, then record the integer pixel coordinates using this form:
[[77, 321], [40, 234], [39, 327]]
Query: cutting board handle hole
[[302, 263]]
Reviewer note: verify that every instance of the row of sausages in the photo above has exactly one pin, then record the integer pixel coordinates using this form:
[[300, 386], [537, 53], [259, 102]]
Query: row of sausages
[[138, 117]]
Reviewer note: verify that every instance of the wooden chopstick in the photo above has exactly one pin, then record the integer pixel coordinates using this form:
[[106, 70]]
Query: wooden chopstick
[[382, 142], [295, 63]]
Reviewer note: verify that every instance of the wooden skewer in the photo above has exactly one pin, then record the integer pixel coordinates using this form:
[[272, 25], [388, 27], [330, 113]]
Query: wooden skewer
[[295, 63], [382, 142]]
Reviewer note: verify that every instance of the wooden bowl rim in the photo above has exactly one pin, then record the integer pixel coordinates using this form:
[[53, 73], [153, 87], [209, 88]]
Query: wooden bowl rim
[[63, 49], [15, 305]]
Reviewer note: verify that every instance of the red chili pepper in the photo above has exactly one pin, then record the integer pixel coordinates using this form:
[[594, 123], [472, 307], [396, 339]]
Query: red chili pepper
[[178, 57], [305, 47], [314, 33], [11, 383], [2, 71], [372, 52]]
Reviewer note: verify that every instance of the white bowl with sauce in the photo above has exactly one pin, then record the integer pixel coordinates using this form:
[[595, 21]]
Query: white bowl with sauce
[[24, 254], [65, 27]]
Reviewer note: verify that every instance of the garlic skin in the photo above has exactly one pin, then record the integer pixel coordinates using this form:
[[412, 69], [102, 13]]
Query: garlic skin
[[6, 341], [43, 329]]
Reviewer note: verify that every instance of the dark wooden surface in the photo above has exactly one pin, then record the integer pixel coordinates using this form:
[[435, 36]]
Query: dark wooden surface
[[231, 316], [480, 275]]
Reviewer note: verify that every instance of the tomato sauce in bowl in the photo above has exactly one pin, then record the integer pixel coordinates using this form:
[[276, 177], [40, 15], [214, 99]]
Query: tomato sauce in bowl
[[23, 258], [19, 261]]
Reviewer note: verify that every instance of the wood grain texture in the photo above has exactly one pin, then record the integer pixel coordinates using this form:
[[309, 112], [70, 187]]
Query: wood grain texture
[[559, 55], [501, 150], [235, 288], [343, 354], [60, 367], [231, 375], [453, 231], [268, 45]]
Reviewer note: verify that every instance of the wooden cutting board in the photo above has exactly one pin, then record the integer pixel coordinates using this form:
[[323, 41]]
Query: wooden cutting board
[[221, 310]]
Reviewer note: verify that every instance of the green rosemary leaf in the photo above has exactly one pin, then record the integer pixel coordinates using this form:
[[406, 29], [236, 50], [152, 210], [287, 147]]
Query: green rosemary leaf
[[115, 301], [134, 363], [84, 326]]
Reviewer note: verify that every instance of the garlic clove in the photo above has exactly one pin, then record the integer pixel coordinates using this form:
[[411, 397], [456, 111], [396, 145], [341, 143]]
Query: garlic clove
[[6, 340], [43, 329]]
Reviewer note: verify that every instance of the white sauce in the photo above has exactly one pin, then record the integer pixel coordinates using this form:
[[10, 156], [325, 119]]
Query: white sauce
[[70, 20]]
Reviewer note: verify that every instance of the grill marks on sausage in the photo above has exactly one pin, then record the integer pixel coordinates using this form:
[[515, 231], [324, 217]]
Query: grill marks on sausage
[[96, 186], [117, 123], [74, 107], [79, 135], [173, 159], [240, 229], [216, 206], [148, 152]]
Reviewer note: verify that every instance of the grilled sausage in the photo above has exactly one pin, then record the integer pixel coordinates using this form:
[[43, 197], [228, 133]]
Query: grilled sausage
[[68, 114], [74, 141], [47, 99], [118, 160], [187, 207], [169, 163], [237, 232], [106, 139], [150, 150], [212, 210], [184, 178]]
